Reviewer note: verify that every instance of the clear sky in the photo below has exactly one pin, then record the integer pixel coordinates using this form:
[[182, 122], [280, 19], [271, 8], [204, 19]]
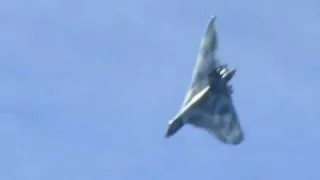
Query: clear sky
[[87, 88]]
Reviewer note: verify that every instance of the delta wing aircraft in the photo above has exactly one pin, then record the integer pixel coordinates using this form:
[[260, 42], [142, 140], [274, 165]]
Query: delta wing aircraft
[[208, 103]]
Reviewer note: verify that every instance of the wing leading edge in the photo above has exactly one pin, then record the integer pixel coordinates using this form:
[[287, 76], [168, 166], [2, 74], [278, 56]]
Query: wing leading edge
[[206, 61]]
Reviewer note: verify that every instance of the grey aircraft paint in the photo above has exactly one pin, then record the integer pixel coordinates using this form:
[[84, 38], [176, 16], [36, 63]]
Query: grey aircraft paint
[[208, 103]]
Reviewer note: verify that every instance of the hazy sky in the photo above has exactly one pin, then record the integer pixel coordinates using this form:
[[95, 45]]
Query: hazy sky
[[87, 88]]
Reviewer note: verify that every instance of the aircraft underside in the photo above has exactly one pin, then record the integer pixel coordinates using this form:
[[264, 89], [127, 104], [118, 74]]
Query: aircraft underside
[[208, 103], [215, 113]]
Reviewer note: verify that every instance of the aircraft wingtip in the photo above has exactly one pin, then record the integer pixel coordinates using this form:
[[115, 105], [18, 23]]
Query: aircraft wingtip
[[213, 18], [212, 21]]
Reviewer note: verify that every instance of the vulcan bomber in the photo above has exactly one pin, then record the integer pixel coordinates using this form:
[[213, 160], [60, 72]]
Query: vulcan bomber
[[208, 103]]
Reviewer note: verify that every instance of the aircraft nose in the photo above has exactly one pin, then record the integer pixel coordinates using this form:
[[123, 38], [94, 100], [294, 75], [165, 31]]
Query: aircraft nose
[[173, 127], [168, 133]]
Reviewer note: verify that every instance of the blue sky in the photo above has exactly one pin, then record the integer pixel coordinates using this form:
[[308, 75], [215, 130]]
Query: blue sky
[[87, 88]]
